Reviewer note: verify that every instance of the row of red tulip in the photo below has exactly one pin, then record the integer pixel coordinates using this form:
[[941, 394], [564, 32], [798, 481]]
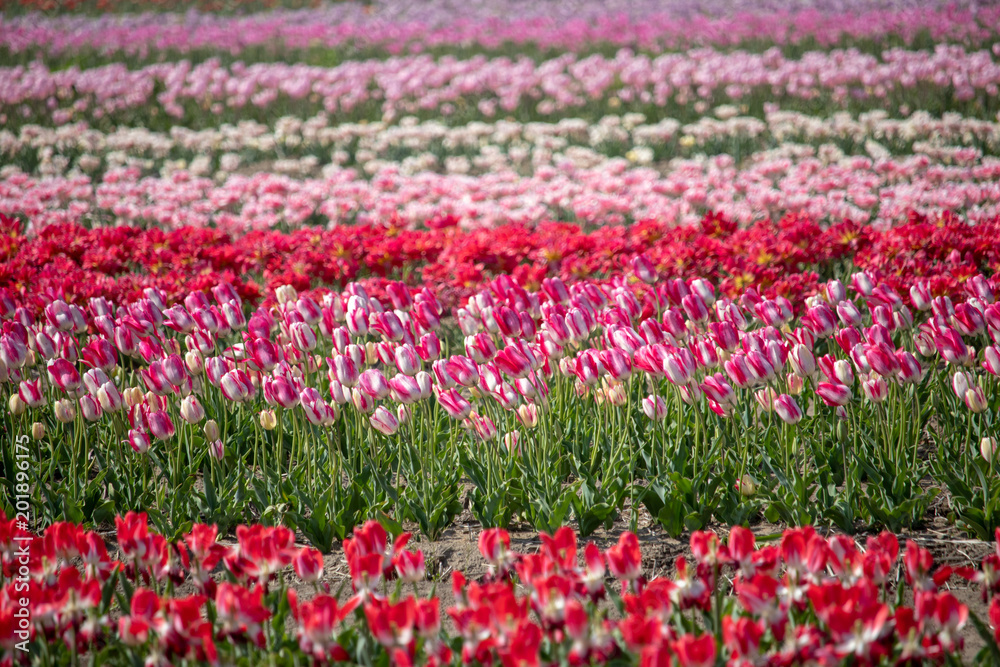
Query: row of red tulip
[[810, 599]]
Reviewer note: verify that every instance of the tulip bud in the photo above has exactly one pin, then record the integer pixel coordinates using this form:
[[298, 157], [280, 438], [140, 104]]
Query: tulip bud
[[17, 405], [746, 486], [988, 448], [217, 450], [975, 400], [285, 294], [268, 420], [211, 430], [38, 430], [654, 407], [133, 397], [795, 384], [65, 410], [527, 413]]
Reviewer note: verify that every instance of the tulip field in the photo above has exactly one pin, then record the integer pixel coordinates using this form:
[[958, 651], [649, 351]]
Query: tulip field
[[680, 317]]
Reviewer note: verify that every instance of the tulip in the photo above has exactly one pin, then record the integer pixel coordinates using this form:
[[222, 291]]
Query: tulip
[[64, 375], [405, 389], [587, 367], [133, 396], [717, 388], [795, 384], [975, 400], [833, 394], [362, 401], [835, 292], [761, 366], [160, 425], [654, 407], [211, 430], [236, 386], [484, 426], [480, 347], [31, 393], [13, 351], [109, 397], [960, 383], [285, 294], [268, 420], [988, 448], [373, 383], [968, 320], [951, 347], [843, 373], [802, 360], [624, 559], [454, 404], [383, 421], [739, 372], [725, 335], [882, 360], [217, 450], [463, 370], [174, 369], [787, 409], [317, 412], [308, 564], [991, 360], [875, 388], [695, 308], [410, 566], [513, 363], [303, 337], [262, 354], [99, 353], [17, 405], [90, 408], [65, 410], [910, 371], [920, 296], [527, 414], [138, 440], [644, 269], [279, 390], [862, 283], [191, 410], [407, 359], [429, 348]]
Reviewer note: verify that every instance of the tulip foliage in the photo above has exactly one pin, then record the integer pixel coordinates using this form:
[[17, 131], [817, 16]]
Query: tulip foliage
[[806, 599]]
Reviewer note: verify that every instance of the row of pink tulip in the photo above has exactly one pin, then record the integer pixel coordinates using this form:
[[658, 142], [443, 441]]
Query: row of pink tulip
[[853, 187], [420, 83], [546, 26]]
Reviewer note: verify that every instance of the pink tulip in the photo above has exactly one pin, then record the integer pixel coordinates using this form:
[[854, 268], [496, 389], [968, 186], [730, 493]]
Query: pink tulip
[[454, 404], [787, 409], [833, 394], [303, 337], [373, 383], [64, 375], [160, 425], [383, 421]]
